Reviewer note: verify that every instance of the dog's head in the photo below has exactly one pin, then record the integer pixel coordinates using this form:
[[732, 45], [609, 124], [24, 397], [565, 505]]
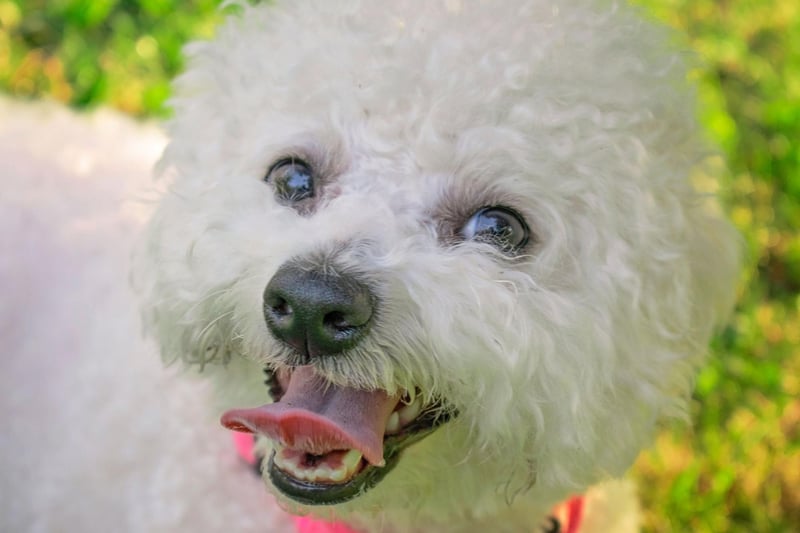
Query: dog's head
[[460, 236]]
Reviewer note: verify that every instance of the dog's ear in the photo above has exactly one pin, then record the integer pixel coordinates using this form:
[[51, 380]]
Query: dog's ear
[[715, 250], [190, 323], [692, 294], [160, 314]]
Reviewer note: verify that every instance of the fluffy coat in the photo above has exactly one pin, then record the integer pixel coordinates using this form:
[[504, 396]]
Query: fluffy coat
[[561, 360]]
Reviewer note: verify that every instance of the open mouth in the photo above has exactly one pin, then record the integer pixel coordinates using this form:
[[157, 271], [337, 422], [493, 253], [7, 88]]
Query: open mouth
[[332, 443]]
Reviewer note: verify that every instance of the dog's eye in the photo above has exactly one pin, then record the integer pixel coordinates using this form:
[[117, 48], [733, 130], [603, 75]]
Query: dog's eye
[[292, 179], [499, 226]]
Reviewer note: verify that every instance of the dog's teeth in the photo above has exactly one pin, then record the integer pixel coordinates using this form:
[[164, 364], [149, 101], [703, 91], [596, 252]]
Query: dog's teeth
[[338, 475], [409, 412], [281, 460], [323, 473], [290, 462], [393, 424], [351, 460], [408, 397]]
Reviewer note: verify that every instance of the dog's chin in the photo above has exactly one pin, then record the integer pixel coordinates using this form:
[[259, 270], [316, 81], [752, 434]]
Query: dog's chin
[[286, 476]]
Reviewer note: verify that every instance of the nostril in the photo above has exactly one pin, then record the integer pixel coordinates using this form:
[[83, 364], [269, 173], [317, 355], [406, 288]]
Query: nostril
[[337, 321], [281, 308], [278, 310]]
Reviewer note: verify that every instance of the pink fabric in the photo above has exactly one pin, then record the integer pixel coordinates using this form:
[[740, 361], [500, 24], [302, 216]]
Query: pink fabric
[[245, 444], [306, 524]]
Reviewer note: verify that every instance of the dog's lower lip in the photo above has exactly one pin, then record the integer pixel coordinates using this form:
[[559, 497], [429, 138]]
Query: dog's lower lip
[[310, 493]]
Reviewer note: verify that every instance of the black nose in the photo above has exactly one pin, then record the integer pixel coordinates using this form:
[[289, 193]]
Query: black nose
[[317, 313]]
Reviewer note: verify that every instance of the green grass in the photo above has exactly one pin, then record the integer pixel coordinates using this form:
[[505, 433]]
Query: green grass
[[737, 469]]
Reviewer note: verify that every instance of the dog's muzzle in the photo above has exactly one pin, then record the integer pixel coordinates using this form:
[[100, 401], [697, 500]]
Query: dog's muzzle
[[317, 313], [331, 442]]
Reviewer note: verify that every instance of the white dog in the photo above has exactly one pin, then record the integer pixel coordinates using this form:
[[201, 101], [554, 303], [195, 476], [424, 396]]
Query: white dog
[[460, 237]]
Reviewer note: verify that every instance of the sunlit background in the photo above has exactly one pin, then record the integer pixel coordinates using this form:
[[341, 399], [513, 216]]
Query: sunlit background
[[737, 468]]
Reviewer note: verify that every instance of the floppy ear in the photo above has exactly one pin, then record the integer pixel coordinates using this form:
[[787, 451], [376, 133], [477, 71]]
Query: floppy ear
[[696, 297], [715, 263], [189, 320]]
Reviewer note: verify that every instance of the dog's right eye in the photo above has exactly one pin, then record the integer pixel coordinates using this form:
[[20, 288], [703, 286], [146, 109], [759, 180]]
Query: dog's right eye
[[499, 226], [292, 179]]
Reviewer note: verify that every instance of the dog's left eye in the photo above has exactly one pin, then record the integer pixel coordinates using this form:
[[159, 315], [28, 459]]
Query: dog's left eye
[[499, 226], [292, 179]]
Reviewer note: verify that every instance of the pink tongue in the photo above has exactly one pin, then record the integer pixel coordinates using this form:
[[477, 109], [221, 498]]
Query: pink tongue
[[317, 417]]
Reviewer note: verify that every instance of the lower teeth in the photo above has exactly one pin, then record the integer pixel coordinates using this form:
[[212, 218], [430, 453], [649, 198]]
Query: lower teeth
[[345, 465], [403, 415]]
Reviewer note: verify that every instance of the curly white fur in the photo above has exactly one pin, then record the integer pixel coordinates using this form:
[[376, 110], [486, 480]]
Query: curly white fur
[[560, 362]]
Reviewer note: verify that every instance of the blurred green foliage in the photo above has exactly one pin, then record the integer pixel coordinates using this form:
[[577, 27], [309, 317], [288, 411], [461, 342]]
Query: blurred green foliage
[[738, 468], [87, 52]]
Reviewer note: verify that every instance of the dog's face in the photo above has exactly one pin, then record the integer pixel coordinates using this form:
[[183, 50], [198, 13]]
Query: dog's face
[[462, 240]]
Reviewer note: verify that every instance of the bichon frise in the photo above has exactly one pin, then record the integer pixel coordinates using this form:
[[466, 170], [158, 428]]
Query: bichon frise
[[461, 239]]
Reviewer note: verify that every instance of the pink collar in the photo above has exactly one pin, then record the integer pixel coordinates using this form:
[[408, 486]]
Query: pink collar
[[306, 524], [569, 514]]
